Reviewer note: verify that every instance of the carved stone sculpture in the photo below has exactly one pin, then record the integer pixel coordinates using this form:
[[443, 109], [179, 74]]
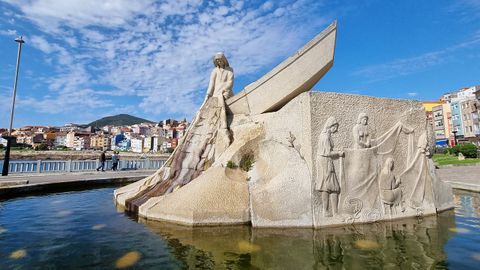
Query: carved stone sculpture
[[221, 84], [390, 190], [361, 135], [206, 139], [327, 181], [296, 178]]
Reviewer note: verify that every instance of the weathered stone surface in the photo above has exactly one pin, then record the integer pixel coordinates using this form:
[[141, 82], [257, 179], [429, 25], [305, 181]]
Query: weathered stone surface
[[280, 187], [398, 131], [297, 74], [218, 196], [442, 191]]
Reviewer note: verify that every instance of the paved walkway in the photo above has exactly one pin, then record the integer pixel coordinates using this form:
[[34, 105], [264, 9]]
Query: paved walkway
[[461, 177], [14, 185]]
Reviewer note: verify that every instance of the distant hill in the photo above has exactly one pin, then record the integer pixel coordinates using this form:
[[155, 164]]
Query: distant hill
[[119, 120]]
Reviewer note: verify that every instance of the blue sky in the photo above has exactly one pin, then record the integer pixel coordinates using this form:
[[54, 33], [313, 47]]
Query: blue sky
[[86, 59]]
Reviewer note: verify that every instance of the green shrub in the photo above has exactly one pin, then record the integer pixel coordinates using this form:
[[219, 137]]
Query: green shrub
[[246, 162], [231, 164], [41, 147], [452, 151], [469, 150]]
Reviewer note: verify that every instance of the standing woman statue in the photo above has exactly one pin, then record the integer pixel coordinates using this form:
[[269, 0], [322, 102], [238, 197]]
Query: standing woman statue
[[327, 181], [361, 135], [221, 84]]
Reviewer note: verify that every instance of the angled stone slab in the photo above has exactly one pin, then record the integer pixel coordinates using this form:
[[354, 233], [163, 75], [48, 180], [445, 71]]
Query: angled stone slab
[[297, 74]]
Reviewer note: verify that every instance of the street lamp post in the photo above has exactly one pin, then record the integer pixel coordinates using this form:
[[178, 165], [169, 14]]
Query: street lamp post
[[10, 138], [455, 137]]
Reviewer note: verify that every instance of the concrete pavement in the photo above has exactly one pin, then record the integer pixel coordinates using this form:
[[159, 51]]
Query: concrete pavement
[[461, 177], [15, 185]]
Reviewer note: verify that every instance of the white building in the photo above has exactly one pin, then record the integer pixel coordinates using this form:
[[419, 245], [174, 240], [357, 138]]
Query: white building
[[136, 144], [70, 139], [81, 143], [61, 140], [3, 141]]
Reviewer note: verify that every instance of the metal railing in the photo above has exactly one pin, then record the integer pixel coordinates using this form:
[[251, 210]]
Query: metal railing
[[58, 166]]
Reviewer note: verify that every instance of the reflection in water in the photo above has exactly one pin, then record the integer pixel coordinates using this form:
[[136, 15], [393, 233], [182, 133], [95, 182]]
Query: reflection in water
[[402, 244], [128, 260], [39, 232], [18, 254], [464, 247], [467, 204]]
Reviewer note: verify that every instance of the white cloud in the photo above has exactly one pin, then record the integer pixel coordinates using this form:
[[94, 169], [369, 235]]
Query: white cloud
[[267, 5], [51, 14], [412, 94], [42, 44], [160, 52], [415, 64], [9, 32], [66, 102]]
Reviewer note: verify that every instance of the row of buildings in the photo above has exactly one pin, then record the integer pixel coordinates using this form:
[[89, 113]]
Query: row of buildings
[[455, 117], [140, 138]]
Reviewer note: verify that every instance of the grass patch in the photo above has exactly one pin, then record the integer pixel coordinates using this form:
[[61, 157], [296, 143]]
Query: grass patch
[[443, 159]]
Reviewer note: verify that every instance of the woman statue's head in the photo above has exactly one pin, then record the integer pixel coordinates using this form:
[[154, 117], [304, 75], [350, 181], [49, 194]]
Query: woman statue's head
[[331, 125], [219, 60], [362, 119]]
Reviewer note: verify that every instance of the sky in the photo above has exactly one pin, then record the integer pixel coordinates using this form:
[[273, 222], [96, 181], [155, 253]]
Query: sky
[[86, 59]]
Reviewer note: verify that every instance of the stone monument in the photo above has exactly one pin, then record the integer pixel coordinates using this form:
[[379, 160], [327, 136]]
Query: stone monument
[[278, 155]]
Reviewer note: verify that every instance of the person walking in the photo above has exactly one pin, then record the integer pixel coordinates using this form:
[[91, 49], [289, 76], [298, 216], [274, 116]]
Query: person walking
[[103, 158], [115, 159]]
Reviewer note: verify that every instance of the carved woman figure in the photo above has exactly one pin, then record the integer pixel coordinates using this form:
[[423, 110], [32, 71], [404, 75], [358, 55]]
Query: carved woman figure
[[361, 135], [327, 181], [390, 191]]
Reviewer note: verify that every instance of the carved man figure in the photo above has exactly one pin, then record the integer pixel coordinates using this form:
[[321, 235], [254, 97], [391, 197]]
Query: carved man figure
[[361, 135], [327, 181], [221, 84]]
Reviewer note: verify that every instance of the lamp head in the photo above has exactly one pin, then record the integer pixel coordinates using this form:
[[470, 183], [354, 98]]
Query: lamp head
[[19, 40]]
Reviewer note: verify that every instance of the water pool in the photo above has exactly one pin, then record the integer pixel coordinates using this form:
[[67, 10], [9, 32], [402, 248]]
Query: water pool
[[84, 230]]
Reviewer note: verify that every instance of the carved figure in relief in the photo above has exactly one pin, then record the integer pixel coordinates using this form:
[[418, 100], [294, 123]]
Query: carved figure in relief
[[361, 135], [221, 84], [422, 144], [327, 182], [390, 190]]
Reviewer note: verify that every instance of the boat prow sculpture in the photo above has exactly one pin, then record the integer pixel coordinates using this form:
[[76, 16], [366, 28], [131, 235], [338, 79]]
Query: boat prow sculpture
[[297, 74], [288, 157]]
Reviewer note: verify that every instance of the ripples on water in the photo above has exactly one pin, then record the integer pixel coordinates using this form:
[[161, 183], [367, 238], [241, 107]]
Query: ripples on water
[[83, 230]]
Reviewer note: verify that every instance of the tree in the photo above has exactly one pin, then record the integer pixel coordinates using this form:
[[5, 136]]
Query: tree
[[41, 147]]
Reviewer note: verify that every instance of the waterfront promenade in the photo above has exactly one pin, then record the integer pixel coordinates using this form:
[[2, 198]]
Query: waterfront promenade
[[15, 185], [460, 177]]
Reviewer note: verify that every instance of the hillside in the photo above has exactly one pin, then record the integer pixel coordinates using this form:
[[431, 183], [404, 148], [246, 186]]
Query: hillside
[[118, 120]]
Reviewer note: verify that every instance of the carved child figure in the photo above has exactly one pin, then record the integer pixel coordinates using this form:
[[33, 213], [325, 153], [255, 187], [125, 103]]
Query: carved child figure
[[390, 190], [327, 181], [361, 135]]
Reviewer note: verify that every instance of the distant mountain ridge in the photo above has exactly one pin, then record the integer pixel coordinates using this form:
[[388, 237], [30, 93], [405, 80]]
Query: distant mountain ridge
[[119, 120]]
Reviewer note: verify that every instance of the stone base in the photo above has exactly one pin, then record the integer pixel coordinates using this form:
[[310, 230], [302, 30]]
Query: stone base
[[289, 153], [218, 196]]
